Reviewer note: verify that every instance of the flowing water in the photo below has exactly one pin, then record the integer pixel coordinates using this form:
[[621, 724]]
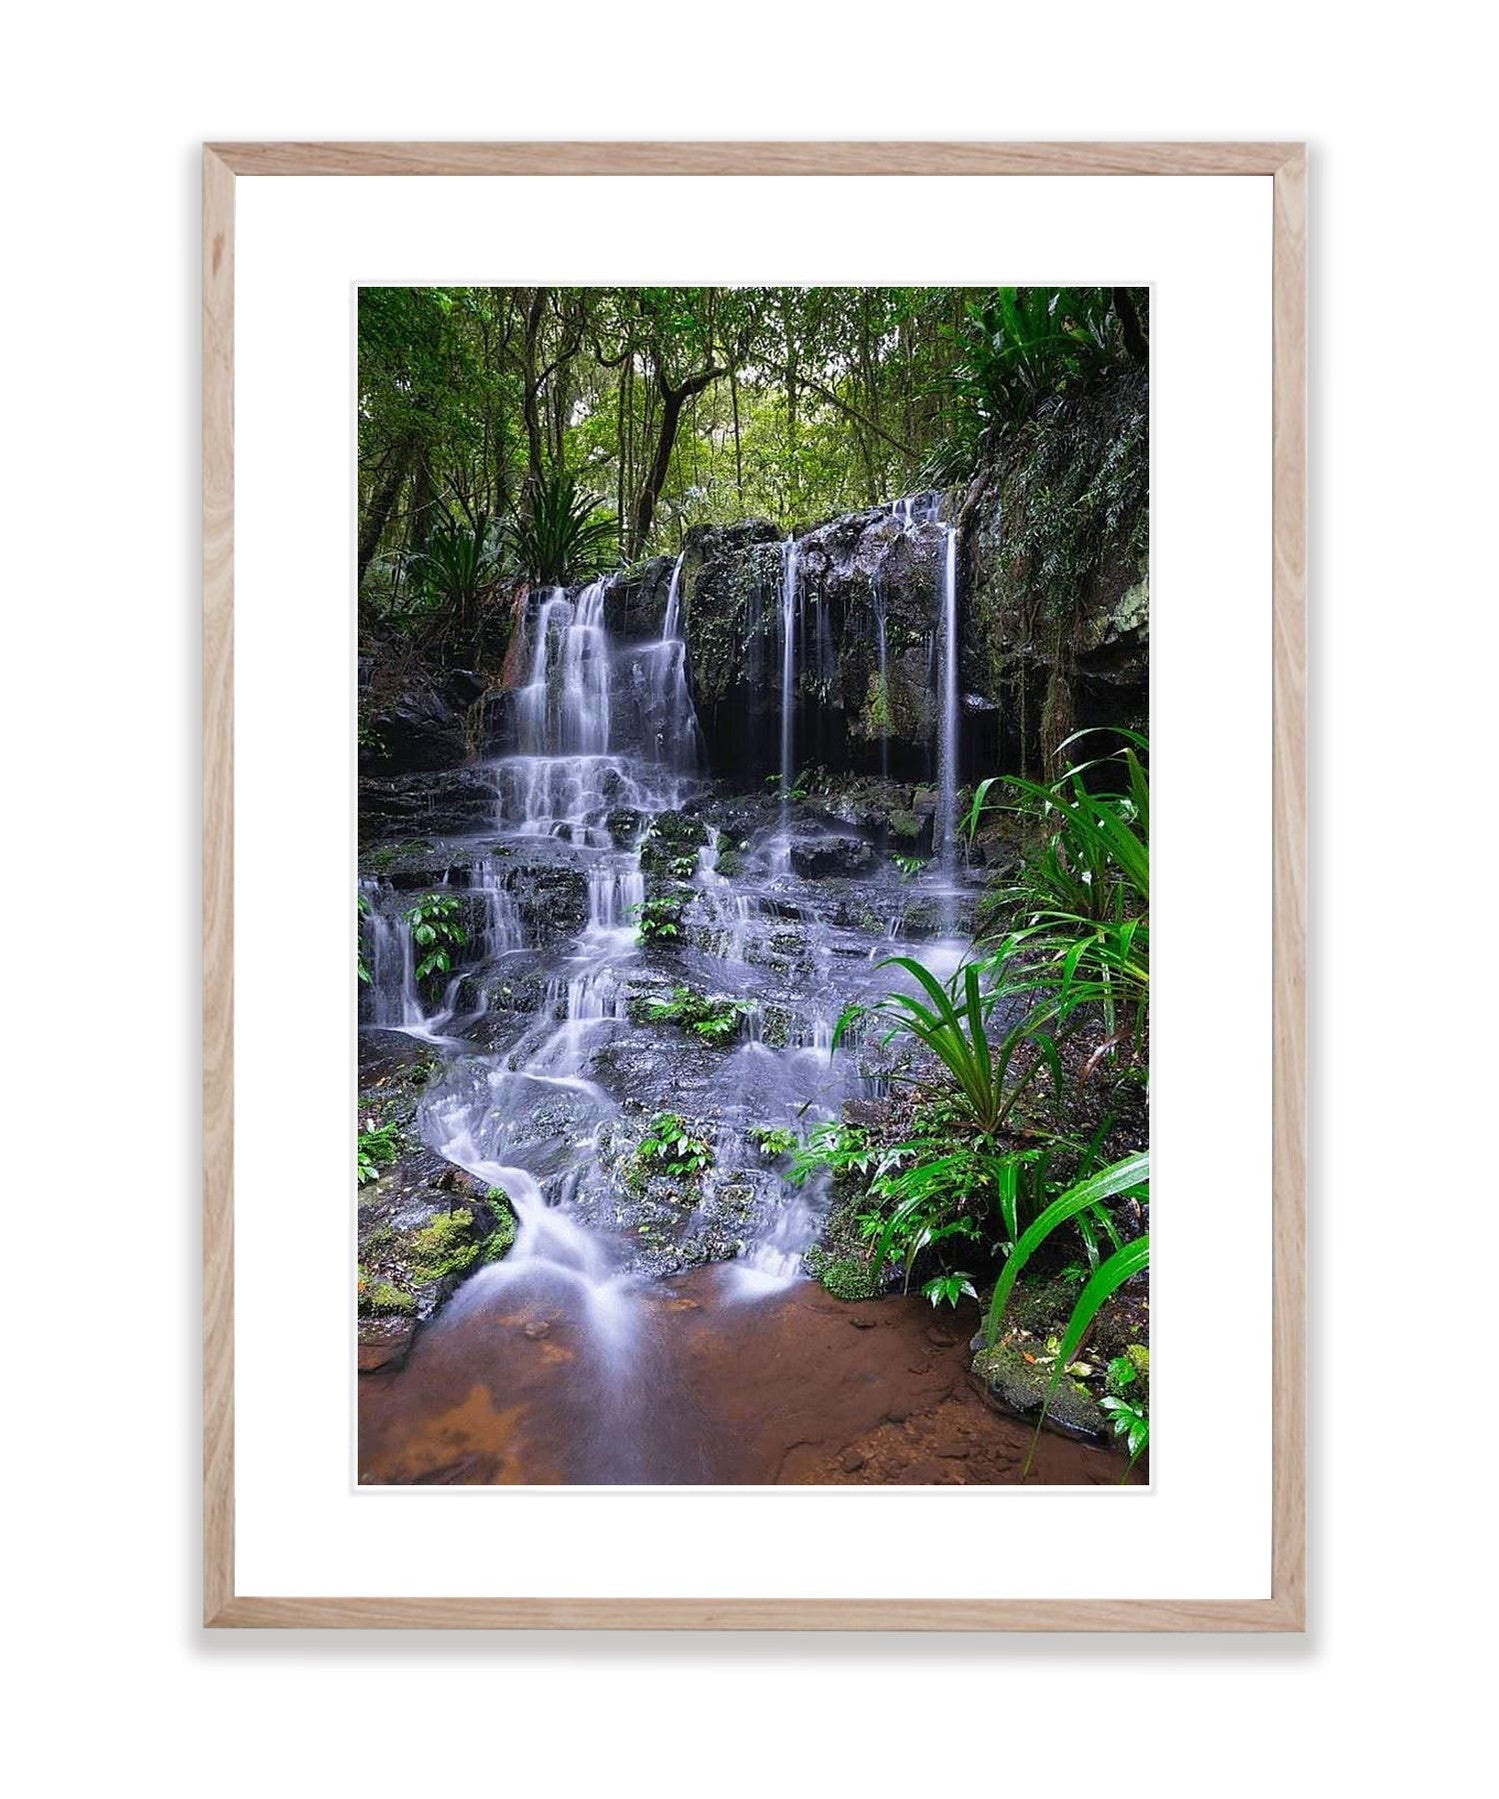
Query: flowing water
[[546, 1101]]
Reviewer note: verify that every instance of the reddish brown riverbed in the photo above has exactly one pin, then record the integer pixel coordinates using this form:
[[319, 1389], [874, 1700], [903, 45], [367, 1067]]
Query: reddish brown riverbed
[[506, 1386]]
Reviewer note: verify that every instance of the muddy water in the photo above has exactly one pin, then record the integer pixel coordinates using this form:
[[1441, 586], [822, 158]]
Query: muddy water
[[509, 1387]]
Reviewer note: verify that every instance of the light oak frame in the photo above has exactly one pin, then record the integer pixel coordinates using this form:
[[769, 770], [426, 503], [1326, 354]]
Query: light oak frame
[[1285, 164]]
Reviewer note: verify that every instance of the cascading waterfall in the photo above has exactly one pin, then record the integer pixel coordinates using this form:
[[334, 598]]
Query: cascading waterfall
[[670, 726], [389, 995], [546, 1098], [728, 909], [947, 742], [597, 731], [567, 773], [788, 673], [883, 691], [495, 929]]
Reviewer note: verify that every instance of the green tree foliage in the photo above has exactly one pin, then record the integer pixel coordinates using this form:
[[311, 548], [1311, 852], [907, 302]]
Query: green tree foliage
[[541, 434]]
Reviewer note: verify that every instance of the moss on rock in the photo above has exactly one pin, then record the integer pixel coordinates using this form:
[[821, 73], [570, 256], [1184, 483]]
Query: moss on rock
[[1016, 1384], [845, 1277], [383, 1299]]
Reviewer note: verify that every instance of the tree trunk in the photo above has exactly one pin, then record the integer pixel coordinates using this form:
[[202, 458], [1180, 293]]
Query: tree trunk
[[673, 399], [535, 312], [383, 503]]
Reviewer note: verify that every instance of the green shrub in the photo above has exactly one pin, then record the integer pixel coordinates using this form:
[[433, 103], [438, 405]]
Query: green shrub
[[716, 1021], [773, 1140], [673, 1147], [437, 931], [377, 1149], [952, 1022], [1081, 903], [660, 918], [1131, 1175], [560, 535]]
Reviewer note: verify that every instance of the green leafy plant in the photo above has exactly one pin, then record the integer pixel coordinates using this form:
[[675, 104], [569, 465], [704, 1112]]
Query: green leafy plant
[[1018, 347], [952, 1022], [716, 1021], [376, 1148], [773, 1140], [1127, 1400], [673, 1147], [437, 932], [950, 1288], [1130, 1421], [560, 535], [660, 918], [456, 563], [935, 1200], [1130, 1175], [1083, 896], [840, 1149], [909, 866], [798, 787]]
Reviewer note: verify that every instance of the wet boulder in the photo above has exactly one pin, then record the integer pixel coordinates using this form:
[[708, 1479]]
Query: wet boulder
[[824, 856], [637, 601], [424, 1225]]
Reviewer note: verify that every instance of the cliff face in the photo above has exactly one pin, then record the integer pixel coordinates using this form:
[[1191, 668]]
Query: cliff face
[[1053, 607], [1056, 580], [854, 575]]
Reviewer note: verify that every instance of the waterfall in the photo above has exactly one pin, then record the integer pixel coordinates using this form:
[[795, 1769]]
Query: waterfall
[[592, 737], [788, 672], [497, 929], [671, 624], [548, 1099], [670, 727], [728, 911], [615, 891], [947, 743], [585, 675], [390, 994]]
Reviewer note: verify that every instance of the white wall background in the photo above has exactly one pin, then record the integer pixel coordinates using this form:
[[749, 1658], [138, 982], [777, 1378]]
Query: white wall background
[[105, 109]]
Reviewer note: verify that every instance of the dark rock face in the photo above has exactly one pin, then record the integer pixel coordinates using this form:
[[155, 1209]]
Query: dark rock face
[[452, 803], [849, 572], [817, 857], [412, 721], [637, 601]]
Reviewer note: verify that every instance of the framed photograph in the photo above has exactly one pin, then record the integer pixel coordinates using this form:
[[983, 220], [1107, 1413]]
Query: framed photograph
[[700, 1130]]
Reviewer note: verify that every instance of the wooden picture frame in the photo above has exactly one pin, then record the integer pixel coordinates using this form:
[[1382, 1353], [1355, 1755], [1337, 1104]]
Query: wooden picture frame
[[1285, 163]]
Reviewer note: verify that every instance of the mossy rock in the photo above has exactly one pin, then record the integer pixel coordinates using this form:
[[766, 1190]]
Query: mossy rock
[[623, 825], [672, 838], [446, 1246], [845, 1277], [383, 1299], [1013, 1384]]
